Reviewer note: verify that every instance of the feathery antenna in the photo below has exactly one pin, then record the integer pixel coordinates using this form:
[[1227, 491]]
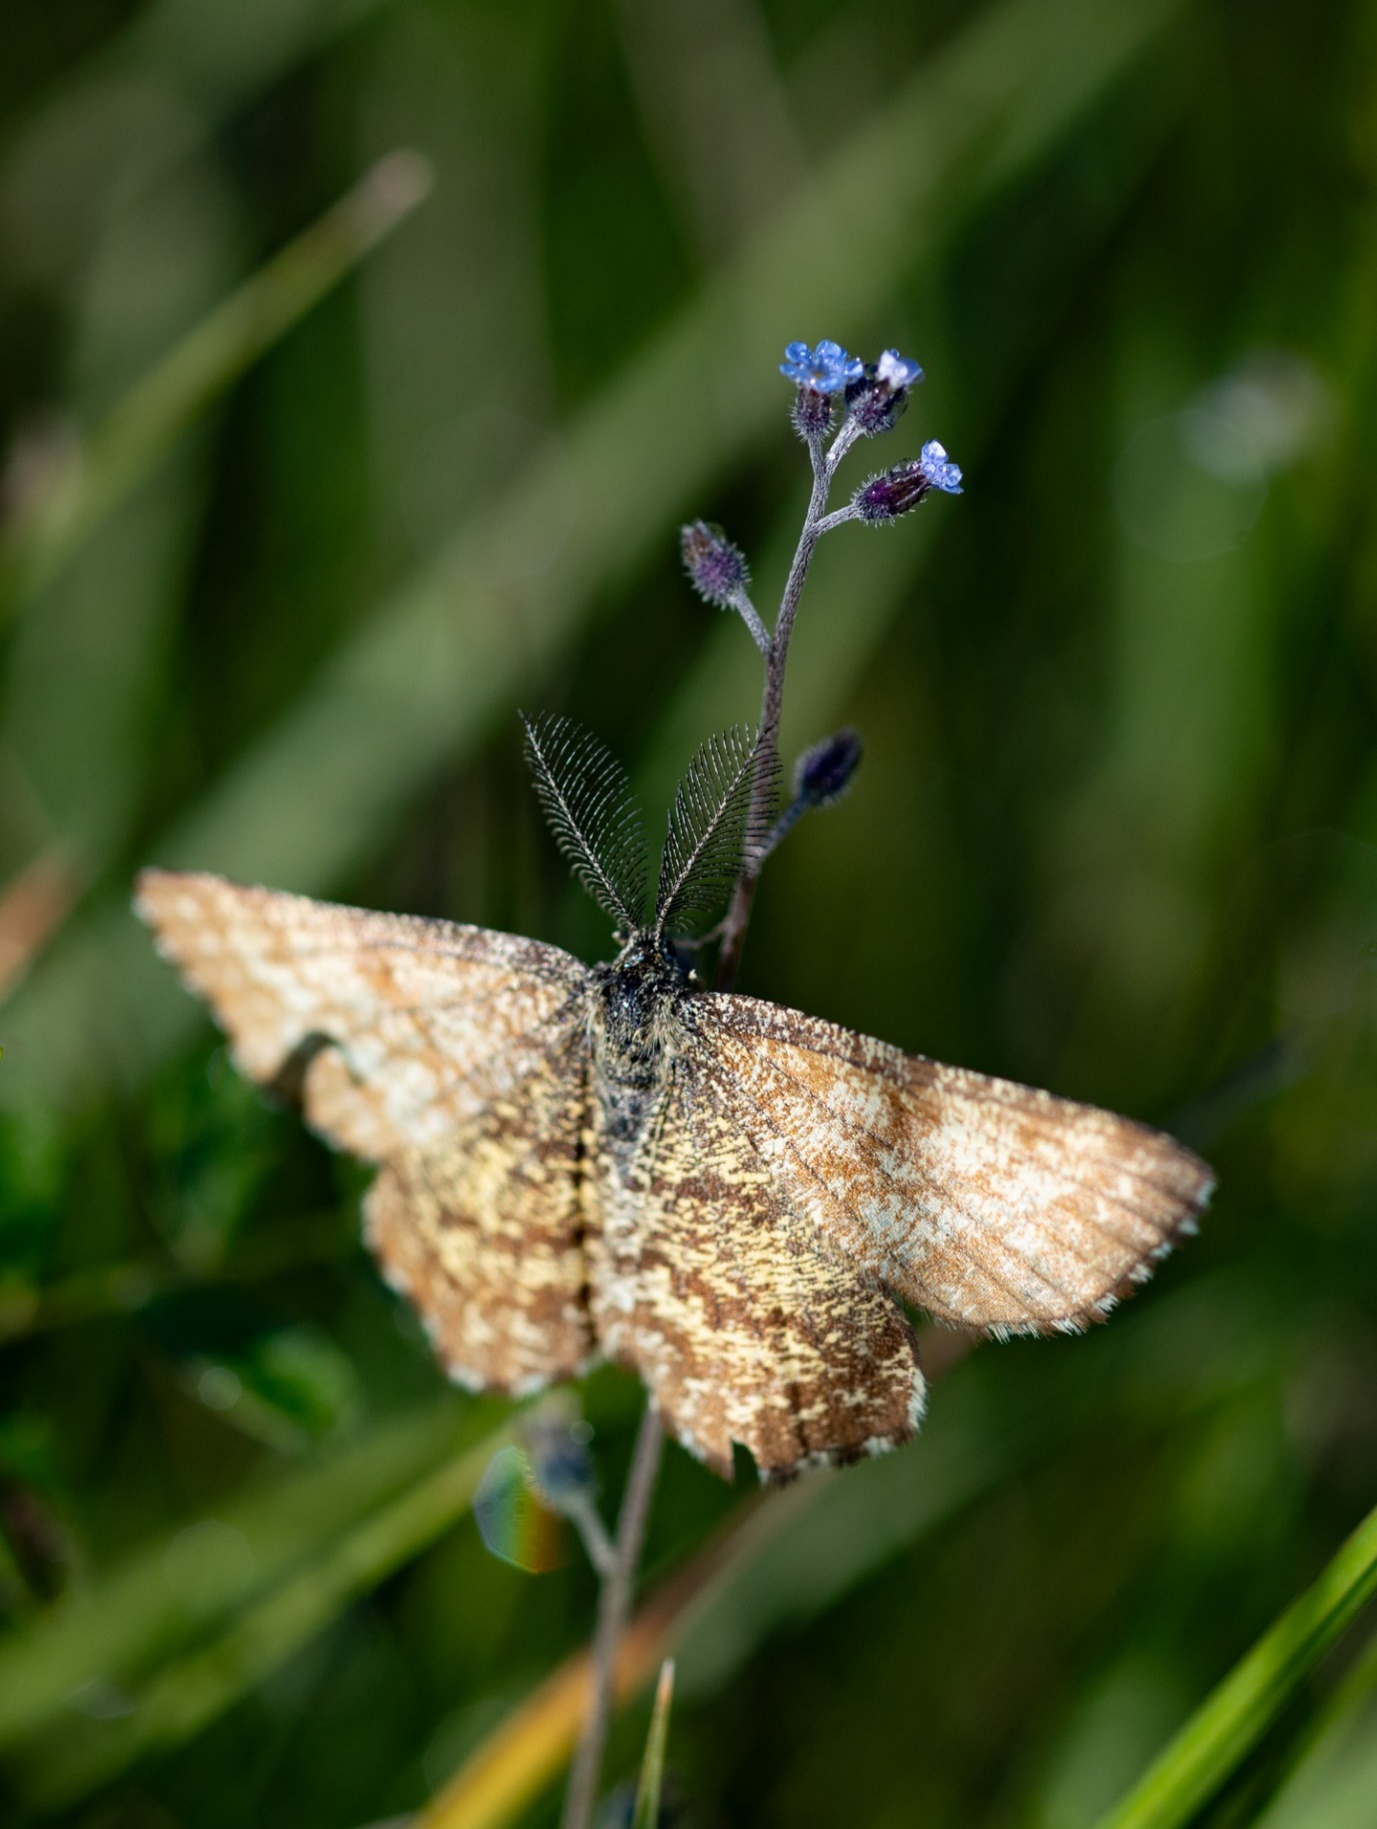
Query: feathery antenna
[[586, 797], [708, 829]]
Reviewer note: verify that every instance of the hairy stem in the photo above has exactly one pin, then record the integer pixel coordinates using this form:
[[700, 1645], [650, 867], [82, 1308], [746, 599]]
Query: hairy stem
[[772, 705], [614, 1606]]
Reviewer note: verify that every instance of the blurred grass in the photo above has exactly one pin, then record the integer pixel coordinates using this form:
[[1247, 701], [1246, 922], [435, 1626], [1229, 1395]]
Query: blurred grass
[[101, 469], [190, 1691], [427, 673], [1116, 832]]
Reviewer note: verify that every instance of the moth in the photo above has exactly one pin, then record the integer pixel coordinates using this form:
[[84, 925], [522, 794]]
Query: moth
[[733, 1199]]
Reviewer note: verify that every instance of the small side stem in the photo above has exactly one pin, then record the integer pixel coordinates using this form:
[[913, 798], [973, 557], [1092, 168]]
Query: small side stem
[[746, 610], [614, 1607], [602, 1552]]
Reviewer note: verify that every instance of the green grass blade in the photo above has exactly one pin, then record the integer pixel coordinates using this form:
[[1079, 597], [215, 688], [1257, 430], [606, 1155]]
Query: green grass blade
[[106, 467], [1333, 1777], [1226, 1727], [646, 1814]]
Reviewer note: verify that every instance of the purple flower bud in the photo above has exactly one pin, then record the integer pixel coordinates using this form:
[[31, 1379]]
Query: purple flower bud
[[823, 773], [560, 1466], [880, 395], [895, 492], [812, 414], [892, 493], [716, 568]]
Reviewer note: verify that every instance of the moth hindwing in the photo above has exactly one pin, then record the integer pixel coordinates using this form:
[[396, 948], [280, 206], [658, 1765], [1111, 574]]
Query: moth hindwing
[[709, 828], [587, 801]]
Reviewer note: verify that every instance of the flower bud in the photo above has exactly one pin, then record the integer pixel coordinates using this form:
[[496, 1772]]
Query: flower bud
[[716, 568], [811, 414], [895, 492], [560, 1467], [880, 394], [823, 773]]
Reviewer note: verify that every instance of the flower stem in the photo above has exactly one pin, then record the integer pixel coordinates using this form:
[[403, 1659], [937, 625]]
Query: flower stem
[[772, 705], [614, 1607]]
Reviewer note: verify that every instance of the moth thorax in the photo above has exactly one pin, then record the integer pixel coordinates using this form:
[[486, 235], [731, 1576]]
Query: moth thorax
[[639, 993]]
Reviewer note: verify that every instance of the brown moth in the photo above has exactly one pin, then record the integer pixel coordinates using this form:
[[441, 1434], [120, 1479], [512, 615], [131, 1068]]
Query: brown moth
[[733, 1199]]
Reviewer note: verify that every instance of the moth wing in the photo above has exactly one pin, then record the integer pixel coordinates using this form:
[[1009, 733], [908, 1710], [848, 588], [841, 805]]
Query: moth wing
[[985, 1203], [453, 1055], [484, 1234], [394, 1030], [708, 1281]]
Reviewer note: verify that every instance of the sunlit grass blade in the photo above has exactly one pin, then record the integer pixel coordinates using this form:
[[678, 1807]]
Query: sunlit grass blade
[[423, 679], [646, 1814], [104, 467], [187, 1695], [1229, 1724]]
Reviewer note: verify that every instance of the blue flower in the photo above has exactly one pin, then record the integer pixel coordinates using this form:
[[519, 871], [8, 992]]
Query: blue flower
[[897, 371], [880, 395], [826, 369], [939, 469]]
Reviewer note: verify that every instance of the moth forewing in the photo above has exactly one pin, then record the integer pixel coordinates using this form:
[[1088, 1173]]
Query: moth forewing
[[986, 1203], [415, 1026]]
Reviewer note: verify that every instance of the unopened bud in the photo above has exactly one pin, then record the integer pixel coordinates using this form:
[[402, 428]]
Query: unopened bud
[[823, 773], [812, 414], [895, 492], [560, 1466], [716, 568]]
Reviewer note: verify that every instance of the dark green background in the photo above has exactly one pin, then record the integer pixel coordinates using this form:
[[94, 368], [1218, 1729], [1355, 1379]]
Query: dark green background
[[1113, 833]]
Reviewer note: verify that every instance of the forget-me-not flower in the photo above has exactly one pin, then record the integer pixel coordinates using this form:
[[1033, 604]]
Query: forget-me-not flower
[[938, 468], [825, 370], [896, 371]]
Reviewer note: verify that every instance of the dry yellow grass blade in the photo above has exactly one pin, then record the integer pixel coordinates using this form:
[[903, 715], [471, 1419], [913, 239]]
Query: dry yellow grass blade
[[531, 1746]]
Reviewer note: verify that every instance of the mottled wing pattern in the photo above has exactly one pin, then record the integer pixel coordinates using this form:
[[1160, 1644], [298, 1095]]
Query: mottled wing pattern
[[484, 1234], [709, 1282], [983, 1202], [455, 1056], [393, 1028]]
